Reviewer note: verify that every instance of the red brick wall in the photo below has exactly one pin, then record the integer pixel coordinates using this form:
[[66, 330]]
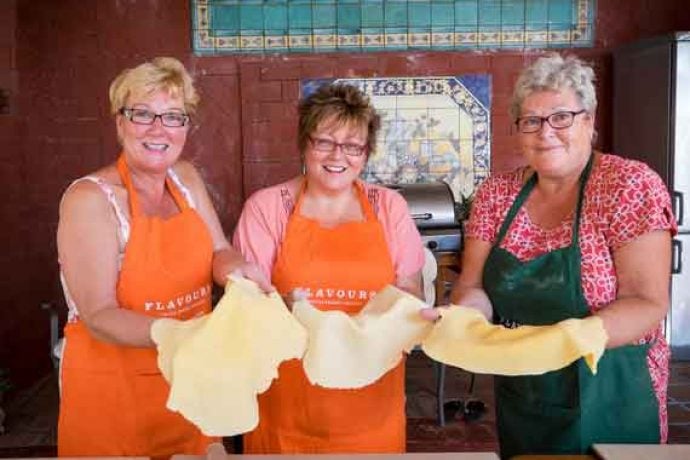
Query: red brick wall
[[57, 59]]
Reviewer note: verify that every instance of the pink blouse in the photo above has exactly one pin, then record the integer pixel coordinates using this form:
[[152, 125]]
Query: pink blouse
[[260, 230], [624, 199]]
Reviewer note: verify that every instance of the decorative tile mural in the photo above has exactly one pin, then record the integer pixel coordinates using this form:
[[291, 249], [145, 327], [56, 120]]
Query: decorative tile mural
[[433, 129], [245, 26]]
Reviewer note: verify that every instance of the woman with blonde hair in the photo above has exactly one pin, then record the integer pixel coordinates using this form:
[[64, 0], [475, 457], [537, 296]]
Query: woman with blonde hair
[[137, 240]]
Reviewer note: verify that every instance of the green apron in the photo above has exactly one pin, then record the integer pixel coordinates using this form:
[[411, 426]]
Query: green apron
[[564, 411]]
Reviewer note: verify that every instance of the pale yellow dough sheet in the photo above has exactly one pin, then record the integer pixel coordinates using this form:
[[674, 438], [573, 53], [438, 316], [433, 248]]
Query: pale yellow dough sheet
[[217, 364], [464, 338], [354, 351]]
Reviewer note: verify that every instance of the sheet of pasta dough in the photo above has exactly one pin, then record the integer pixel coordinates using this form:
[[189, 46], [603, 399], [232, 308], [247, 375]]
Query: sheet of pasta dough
[[217, 364], [464, 338], [354, 351]]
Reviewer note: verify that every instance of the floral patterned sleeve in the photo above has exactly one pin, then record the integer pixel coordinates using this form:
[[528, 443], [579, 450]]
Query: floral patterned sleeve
[[639, 204], [483, 222], [491, 203]]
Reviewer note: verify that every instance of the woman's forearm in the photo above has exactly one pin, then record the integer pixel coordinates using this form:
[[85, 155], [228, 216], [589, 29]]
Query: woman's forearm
[[642, 298], [472, 297], [411, 284], [627, 320], [225, 260], [120, 326]]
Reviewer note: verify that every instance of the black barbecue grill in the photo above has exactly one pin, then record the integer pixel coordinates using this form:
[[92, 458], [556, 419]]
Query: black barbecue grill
[[435, 213]]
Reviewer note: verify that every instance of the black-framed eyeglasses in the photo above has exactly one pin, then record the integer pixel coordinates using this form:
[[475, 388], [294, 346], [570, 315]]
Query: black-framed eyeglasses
[[146, 117], [558, 120], [328, 146]]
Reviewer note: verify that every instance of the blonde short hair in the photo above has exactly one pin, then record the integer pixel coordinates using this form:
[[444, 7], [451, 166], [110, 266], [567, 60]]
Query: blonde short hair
[[553, 72], [162, 73]]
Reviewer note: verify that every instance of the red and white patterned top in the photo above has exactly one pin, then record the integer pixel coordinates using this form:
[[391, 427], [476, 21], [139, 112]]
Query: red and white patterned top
[[624, 199]]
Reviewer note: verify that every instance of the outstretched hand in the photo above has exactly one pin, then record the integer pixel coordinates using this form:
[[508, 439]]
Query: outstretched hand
[[252, 272], [294, 296], [216, 451], [431, 313]]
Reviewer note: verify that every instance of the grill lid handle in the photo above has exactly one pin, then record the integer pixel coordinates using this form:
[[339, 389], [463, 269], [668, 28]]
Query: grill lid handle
[[422, 216]]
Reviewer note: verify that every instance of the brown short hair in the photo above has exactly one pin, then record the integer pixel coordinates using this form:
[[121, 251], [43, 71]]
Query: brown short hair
[[162, 73], [342, 103]]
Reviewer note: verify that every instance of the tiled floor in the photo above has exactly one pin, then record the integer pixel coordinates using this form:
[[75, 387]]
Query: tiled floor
[[679, 403], [31, 415], [30, 426]]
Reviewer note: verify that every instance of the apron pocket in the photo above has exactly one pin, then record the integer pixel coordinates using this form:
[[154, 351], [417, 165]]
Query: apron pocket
[[542, 391], [536, 429], [619, 403]]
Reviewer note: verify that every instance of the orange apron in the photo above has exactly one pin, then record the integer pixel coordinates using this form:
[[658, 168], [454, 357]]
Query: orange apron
[[113, 397], [341, 268]]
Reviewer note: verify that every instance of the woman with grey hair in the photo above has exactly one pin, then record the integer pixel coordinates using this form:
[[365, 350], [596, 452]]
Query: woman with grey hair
[[574, 233]]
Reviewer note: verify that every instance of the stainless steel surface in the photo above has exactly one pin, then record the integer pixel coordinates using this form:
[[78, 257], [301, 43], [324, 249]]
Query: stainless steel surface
[[681, 148], [442, 239], [433, 209], [431, 205], [680, 295], [652, 123]]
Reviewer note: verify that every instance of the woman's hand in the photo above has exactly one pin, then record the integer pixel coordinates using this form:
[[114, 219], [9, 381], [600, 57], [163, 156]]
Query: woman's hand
[[432, 314], [229, 262], [468, 289], [216, 451], [294, 296], [252, 272]]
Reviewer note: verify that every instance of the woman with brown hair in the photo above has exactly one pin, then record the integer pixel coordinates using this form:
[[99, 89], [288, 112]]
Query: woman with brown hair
[[339, 240]]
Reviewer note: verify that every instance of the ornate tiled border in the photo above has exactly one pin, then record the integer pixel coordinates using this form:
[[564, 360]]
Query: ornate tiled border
[[208, 38]]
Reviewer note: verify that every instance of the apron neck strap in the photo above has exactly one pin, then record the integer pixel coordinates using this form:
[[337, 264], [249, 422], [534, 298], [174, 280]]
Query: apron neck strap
[[126, 179], [527, 189], [584, 178], [364, 202]]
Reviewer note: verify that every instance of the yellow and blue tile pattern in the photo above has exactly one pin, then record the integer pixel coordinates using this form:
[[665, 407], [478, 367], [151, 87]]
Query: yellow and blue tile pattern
[[433, 129], [245, 26]]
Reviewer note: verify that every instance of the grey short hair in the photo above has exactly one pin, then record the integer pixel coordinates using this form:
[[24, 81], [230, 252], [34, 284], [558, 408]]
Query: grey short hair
[[553, 72]]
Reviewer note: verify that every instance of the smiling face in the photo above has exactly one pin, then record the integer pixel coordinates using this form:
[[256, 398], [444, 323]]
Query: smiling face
[[334, 171], [152, 148], [557, 153]]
